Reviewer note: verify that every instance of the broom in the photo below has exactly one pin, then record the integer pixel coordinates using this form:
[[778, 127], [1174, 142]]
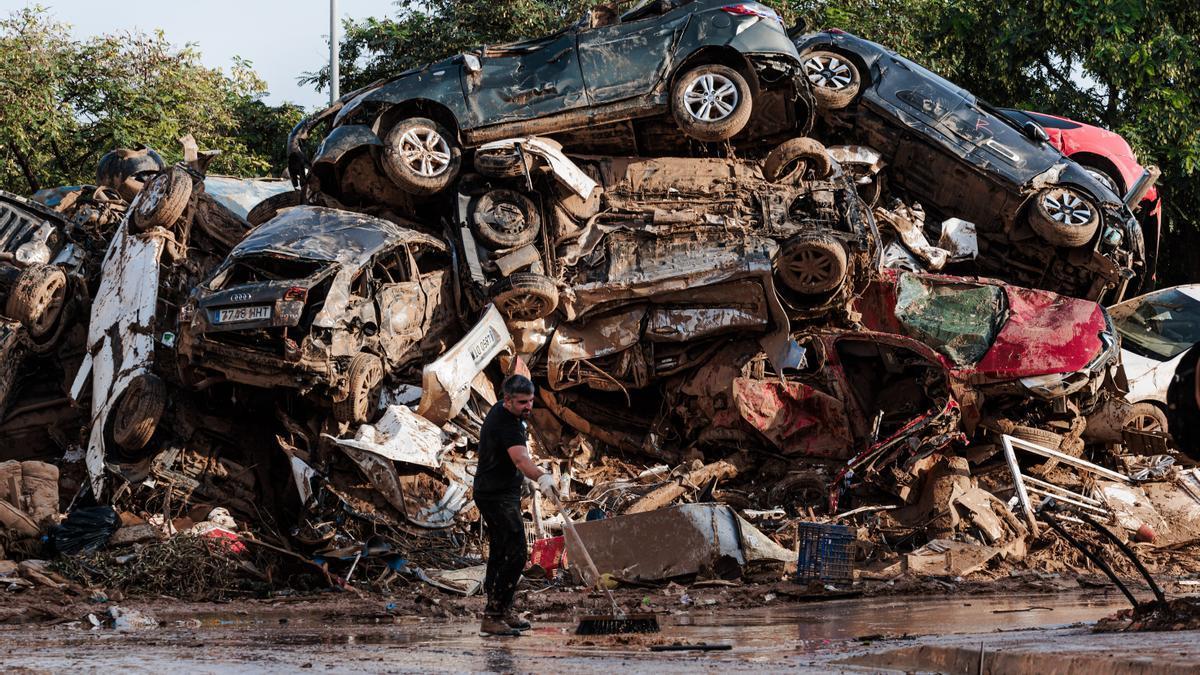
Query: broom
[[604, 624]]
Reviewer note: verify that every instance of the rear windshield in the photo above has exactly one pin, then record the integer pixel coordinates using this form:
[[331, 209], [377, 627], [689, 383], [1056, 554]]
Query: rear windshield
[[254, 269], [960, 321], [1160, 327]]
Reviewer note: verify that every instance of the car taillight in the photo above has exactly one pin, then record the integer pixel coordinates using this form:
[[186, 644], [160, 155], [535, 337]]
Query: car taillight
[[835, 31], [295, 293], [752, 9]]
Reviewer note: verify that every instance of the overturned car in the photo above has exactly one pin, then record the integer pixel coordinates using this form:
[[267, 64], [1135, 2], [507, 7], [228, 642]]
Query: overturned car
[[321, 301], [964, 159]]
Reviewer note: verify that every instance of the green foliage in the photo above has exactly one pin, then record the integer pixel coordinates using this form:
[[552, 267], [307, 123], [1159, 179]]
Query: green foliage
[[64, 103]]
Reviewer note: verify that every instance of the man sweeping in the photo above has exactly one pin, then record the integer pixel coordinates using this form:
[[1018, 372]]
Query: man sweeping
[[504, 464]]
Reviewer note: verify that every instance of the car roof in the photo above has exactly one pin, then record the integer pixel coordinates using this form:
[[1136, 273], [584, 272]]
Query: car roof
[[329, 235]]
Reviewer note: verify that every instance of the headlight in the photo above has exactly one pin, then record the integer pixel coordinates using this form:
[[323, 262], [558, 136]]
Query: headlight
[[1055, 385]]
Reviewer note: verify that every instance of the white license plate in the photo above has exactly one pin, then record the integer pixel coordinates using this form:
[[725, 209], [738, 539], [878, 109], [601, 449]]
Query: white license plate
[[237, 314]]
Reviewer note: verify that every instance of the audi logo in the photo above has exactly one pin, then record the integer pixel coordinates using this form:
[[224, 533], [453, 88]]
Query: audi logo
[[240, 297]]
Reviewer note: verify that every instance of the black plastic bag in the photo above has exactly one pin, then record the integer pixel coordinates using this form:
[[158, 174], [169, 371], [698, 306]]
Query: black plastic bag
[[85, 530]]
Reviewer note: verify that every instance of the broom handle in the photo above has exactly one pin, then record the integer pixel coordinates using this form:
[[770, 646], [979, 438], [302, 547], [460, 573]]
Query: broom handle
[[587, 557]]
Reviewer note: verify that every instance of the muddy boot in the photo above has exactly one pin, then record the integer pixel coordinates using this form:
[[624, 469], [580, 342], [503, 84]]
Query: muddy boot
[[494, 626], [515, 621], [41, 491]]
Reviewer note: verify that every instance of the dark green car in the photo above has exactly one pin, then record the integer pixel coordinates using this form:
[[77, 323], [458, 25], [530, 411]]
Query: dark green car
[[706, 62]]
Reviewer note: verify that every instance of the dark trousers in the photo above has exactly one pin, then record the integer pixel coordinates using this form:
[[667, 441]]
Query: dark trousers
[[507, 552]]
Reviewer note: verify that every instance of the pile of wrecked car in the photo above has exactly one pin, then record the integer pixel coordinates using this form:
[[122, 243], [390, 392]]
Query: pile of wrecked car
[[792, 279]]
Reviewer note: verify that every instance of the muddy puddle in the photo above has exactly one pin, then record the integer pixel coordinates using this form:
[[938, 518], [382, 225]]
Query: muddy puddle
[[782, 636]]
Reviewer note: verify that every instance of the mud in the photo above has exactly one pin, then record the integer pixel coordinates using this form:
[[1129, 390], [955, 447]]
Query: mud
[[347, 635]]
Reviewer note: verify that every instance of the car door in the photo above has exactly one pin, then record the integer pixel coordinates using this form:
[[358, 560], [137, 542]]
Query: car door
[[525, 81], [629, 58], [401, 301]]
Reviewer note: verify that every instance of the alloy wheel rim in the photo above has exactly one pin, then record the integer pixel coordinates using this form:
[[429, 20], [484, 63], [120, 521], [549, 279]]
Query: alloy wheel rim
[[1067, 207], [424, 152], [828, 72], [525, 308], [807, 266], [711, 97]]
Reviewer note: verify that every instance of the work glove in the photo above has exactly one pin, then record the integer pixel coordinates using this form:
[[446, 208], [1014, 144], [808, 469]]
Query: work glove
[[548, 487]]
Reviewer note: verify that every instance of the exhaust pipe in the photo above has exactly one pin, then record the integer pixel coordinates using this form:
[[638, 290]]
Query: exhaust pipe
[[1141, 187]]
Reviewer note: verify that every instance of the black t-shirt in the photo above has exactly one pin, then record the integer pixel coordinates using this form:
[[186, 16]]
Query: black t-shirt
[[497, 476]]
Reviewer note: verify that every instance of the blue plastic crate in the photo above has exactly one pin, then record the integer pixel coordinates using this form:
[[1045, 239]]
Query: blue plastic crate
[[825, 553]]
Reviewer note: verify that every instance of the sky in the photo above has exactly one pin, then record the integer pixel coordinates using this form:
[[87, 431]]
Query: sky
[[282, 39]]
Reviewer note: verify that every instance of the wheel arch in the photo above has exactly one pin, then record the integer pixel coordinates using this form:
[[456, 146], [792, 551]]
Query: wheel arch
[[418, 107], [1102, 163], [720, 55]]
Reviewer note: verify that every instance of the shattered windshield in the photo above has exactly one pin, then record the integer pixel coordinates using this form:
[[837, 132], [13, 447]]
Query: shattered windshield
[[960, 321], [1161, 326]]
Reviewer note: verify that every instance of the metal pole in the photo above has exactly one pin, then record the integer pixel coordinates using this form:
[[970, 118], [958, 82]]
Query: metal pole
[[334, 76]]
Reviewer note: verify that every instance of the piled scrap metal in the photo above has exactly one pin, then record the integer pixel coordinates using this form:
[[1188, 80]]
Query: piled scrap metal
[[755, 328]]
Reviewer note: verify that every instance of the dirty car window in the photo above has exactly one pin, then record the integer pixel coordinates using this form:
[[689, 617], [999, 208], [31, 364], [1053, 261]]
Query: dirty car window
[[1160, 327], [958, 320]]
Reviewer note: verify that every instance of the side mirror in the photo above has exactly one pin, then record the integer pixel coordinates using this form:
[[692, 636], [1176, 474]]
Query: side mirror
[[472, 63], [1035, 132]]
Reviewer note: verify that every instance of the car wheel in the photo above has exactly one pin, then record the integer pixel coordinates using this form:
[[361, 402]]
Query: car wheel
[[834, 79], [811, 264], [366, 376], [1063, 217], [162, 201], [526, 296], [1146, 417], [711, 103], [1047, 439], [38, 300], [506, 163], [421, 156], [1104, 178], [799, 492], [797, 159], [139, 411], [271, 206], [505, 218]]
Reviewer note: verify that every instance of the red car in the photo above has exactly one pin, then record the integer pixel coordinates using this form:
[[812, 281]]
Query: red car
[[1108, 157]]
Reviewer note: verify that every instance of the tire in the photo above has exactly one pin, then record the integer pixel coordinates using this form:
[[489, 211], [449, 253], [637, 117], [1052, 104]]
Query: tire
[[833, 78], [503, 163], [366, 376], [1063, 217], [1046, 439], [798, 492], [711, 103], [1104, 177], [421, 156], [139, 411], [38, 300], [162, 201], [526, 296], [505, 219], [797, 159], [1146, 417], [811, 264], [270, 207]]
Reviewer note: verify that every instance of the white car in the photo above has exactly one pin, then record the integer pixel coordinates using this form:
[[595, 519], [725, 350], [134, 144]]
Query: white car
[[1157, 330]]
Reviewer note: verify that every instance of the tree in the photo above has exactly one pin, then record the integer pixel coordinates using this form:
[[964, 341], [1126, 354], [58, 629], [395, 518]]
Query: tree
[[64, 103]]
